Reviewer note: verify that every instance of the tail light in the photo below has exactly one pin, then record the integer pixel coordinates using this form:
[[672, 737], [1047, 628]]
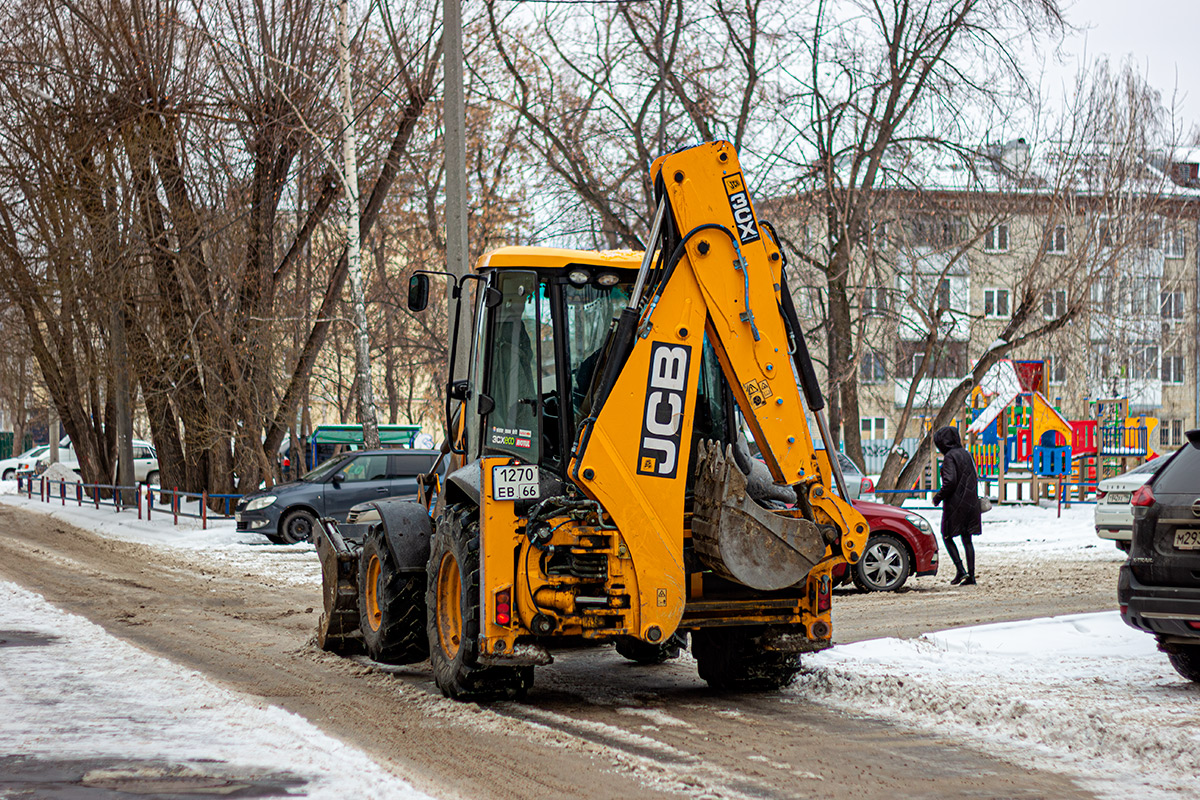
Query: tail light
[[1101, 495], [867, 486], [1144, 496], [1194, 625], [823, 594], [503, 607]]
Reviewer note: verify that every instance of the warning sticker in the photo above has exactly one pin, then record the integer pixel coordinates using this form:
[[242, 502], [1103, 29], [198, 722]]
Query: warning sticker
[[757, 391]]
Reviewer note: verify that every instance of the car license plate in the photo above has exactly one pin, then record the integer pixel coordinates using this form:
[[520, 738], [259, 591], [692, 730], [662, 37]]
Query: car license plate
[[1187, 540], [519, 482], [1118, 497]]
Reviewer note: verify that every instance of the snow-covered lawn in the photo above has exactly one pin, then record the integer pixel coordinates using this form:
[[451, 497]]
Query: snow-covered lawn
[[70, 691], [220, 544], [1083, 694]]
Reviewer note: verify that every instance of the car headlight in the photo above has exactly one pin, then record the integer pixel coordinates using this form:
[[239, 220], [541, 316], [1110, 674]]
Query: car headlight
[[260, 502], [920, 522]]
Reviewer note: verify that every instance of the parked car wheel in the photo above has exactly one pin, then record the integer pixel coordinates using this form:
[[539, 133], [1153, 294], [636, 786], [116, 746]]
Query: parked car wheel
[[9, 474], [884, 566], [1185, 658], [152, 479], [297, 526]]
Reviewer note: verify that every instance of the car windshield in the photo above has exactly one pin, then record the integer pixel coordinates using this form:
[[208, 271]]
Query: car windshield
[[35, 452], [325, 470]]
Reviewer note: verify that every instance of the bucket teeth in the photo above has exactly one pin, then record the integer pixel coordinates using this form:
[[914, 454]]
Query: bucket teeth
[[740, 540]]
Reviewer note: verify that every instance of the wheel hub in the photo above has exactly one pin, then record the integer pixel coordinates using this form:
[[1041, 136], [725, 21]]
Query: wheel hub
[[449, 606], [374, 612]]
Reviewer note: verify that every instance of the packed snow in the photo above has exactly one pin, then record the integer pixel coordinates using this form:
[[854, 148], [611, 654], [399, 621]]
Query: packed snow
[[73, 692], [1083, 694]]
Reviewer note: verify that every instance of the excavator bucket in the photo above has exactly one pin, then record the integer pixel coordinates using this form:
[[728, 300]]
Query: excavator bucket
[[739, 539], [337, 630]]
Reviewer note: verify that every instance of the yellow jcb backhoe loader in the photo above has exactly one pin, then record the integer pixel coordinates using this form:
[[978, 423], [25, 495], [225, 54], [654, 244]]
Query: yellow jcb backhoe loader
[[599, 484]]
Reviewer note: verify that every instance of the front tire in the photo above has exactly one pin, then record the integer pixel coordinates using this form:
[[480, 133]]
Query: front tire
[[9, 474], [453, 615], [1185, 658], [152, 479], [885, 565], [297, 526], [731, 659], [391, 606]]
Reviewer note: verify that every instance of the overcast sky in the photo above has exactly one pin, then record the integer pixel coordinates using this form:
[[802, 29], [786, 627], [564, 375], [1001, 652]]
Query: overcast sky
[[1161, 36]]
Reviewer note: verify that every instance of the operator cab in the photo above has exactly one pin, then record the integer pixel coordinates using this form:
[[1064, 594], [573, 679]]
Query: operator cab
[[542, 320]]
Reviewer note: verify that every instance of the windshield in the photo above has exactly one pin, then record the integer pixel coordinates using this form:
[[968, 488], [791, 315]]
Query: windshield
[[325, 470], [590, 311]]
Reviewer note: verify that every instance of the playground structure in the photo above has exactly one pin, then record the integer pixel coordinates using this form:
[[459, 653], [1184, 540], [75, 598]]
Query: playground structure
[[1021, 442]]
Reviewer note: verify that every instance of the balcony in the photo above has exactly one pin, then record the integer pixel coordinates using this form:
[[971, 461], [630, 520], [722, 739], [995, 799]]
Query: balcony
[[931, 392]]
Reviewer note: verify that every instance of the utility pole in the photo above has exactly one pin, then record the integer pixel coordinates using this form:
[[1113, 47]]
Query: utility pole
[[456, 167], [362, 341], [125, 474]]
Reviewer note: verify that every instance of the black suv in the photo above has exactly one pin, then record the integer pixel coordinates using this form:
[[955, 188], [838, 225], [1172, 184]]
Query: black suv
[[1159, 587]]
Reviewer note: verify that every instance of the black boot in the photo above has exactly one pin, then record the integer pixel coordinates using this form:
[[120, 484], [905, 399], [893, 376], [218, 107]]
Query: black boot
[[969, 581], [960, 577]]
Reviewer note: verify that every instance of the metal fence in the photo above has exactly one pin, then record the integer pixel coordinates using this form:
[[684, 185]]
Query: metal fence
[[875, 452], [104, 494]]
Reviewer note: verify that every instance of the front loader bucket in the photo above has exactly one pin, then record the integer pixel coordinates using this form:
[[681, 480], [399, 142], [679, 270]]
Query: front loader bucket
[[337, 630], [739, 539]]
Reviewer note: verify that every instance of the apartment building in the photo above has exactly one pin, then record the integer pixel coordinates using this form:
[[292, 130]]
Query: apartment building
[[1105, 283]]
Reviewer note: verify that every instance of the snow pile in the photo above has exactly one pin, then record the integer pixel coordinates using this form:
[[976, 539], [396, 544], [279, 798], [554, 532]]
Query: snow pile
[[1088, 691], [86, 694], [60, 473]]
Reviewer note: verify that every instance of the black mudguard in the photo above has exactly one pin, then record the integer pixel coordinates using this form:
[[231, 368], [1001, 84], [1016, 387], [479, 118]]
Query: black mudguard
[[407, 528]]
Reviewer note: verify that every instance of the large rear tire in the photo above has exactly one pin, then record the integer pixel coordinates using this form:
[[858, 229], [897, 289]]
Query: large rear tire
[[391, 606], [731, 658], [453, 615]]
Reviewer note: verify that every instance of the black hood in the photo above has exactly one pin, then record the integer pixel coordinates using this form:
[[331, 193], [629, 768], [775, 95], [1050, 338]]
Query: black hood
[[946, 439]]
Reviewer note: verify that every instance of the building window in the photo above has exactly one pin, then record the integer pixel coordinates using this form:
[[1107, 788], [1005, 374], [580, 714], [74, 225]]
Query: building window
[[995, 303], [996, 239], [1056, 370], [1143, 362], [1171, 304], [943, 295], [1152, 237], [1107, 231], [1170, 433], [873, 427], [1173, 242], [1143, 294], [1054, 303], [1056, 240], [1172, 369], [871, 368], [875, 300]]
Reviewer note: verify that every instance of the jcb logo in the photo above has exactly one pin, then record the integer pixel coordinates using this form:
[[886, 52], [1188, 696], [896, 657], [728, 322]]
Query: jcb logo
[[662, 421], [743, 214]]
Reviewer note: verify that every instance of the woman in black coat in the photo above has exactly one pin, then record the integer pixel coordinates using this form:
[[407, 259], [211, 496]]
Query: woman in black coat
[[960, 491]]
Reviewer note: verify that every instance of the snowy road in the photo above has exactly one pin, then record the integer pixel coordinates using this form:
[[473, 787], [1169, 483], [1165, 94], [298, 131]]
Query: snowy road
[[1082, 698]]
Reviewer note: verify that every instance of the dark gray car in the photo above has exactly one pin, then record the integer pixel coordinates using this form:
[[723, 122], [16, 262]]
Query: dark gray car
[[287, 513]]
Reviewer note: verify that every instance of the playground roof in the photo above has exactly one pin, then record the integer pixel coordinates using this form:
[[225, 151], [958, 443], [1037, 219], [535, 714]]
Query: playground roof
[[1002, 385]]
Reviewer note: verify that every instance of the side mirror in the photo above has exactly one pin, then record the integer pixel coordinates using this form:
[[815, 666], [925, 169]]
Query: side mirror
[[459, 390], [338, 478], [418, 292]]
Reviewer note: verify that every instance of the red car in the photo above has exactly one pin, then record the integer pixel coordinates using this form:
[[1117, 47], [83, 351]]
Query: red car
[[901, 544]]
